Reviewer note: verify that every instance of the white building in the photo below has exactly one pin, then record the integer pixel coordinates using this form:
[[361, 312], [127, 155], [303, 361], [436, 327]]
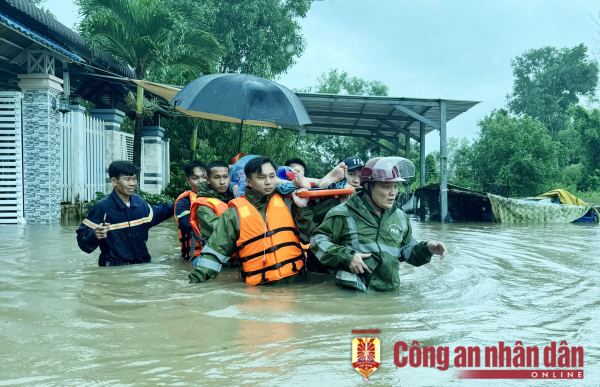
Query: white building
[[53, 151]]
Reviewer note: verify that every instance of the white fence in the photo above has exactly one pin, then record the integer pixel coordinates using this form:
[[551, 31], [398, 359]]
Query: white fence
[[94, 152], [126, 149], [11, 159], [67, 159], [82, 174]]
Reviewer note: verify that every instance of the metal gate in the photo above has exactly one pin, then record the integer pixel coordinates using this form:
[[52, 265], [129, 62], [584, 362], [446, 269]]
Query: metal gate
[[94, 152], [11, 159]]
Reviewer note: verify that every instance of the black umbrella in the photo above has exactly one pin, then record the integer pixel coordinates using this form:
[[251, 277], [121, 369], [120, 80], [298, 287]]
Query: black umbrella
[[242, 98]]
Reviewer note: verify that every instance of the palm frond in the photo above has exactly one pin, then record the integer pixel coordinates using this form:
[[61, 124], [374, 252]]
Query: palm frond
[[152, 34]]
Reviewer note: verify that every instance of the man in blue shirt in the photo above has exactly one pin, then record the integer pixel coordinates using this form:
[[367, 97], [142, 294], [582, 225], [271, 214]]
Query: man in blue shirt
[[119, 222]]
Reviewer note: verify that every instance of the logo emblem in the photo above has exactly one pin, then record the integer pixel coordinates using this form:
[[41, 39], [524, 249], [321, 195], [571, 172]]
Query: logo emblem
[[365, 355], [395, 229]]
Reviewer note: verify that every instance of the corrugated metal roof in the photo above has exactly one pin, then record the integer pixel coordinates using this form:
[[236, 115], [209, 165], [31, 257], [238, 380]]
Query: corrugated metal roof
[[375, 117], [37, 20], [13, 24]]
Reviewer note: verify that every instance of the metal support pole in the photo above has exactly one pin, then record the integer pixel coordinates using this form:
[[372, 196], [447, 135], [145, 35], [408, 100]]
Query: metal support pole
[[443, 160], [407, 156], [240, 142], [422, 154]]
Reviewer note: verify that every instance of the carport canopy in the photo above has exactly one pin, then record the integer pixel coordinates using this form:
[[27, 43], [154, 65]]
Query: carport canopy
[[375, 118]]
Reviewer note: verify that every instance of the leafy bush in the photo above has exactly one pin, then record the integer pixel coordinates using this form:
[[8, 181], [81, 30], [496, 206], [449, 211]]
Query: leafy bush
[[517, 152], [589, 183], [85, 211], [572, 174], [589, 196], [155, 199], [177, 184]]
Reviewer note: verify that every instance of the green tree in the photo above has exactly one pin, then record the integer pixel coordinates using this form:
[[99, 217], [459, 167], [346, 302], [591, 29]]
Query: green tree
[[151, 36], [431, 171], [336, 82], [460, 166], [277, 144], [548, 80], [514, 151], [586, 123], [322, 152], [570, 146], [260, 37], [39, 4], [572, 178]]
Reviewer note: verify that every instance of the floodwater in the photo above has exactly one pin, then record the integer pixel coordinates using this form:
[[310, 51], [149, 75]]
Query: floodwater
[[64, 321]]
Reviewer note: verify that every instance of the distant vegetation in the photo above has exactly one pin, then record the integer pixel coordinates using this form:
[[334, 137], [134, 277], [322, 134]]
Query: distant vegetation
[[543, 139], [546, 139]]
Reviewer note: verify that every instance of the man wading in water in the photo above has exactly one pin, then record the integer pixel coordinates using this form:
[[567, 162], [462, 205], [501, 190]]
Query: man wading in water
[[119, 222], [262, 228], [368, 236], [195, 174]]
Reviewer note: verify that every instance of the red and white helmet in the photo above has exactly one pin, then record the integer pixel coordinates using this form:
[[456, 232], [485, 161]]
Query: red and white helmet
[[381, 169]]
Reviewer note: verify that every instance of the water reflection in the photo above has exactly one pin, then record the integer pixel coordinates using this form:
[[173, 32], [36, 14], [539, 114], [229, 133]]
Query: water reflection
[[64, 321]]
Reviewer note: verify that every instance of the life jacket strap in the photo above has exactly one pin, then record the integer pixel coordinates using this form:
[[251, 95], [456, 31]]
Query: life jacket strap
[[267, 234], [201, 239], [269, 250], [273, 267], [192, 248], [185, 246]]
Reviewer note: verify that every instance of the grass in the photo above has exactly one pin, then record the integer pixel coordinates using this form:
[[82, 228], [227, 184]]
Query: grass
[[592, 197]]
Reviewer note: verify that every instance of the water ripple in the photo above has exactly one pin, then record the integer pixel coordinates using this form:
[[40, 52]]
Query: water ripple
[[63, 316]]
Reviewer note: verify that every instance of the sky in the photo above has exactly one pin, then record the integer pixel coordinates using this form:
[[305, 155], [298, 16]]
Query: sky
[[449, 49]]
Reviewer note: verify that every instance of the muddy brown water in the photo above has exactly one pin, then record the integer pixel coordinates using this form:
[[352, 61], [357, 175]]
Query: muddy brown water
[[64, 321]]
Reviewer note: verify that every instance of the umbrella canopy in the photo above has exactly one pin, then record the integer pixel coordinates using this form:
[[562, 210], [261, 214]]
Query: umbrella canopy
[[241, 98]]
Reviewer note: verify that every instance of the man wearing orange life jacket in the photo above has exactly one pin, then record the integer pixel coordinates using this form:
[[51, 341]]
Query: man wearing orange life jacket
[[212, 198], [195, 172], [263, 228]]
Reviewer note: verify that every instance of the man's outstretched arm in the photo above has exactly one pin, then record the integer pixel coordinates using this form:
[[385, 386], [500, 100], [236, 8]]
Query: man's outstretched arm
[[220, 246], [161, 213]]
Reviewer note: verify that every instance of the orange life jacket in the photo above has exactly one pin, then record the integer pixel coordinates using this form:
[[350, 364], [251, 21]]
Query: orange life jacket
[[270, 251], [217, 206], [184, 240]]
